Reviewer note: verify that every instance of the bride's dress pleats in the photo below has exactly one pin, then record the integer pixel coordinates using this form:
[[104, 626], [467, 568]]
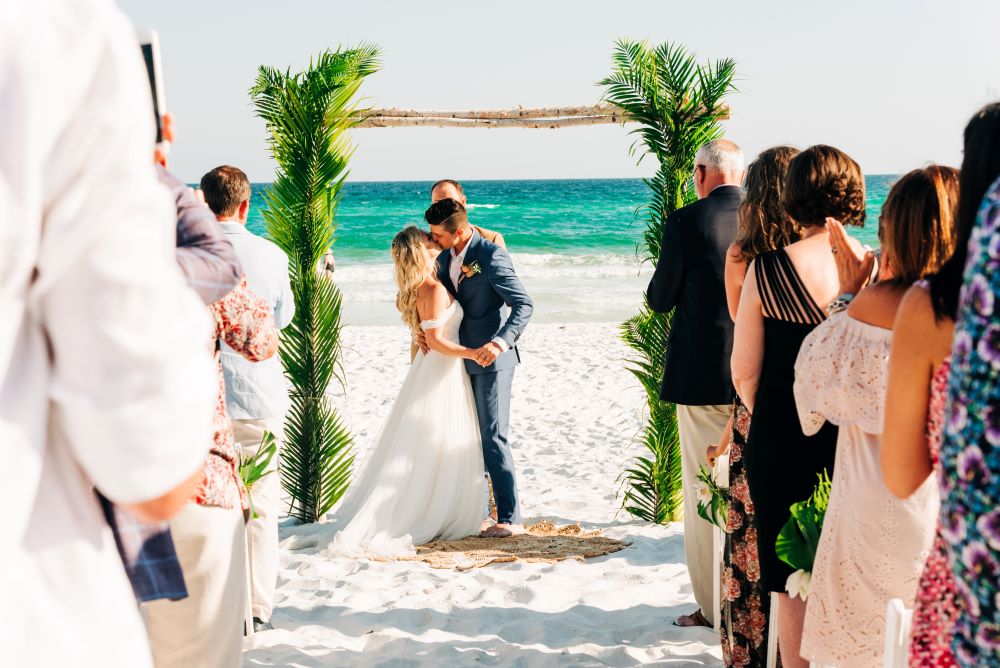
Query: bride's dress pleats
[[424, 478]]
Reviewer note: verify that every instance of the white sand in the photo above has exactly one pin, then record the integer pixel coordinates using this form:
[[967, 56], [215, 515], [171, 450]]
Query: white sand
[[575, 415]]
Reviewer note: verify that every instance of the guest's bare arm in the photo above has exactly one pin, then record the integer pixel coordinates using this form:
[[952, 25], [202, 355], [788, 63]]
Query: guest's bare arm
[[736, 272], [905, 458], [748, 342], [432, 302], [168, 505], [716, 450]]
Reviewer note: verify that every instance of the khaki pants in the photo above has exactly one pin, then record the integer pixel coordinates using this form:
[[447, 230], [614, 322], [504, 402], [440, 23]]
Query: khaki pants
[[204, 630], [262, 533], [699, 427]]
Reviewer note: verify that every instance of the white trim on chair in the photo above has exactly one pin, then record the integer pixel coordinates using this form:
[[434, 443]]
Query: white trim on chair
[[898, 620]]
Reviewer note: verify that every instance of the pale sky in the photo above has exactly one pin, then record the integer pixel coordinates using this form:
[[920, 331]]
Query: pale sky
[[891, 82]]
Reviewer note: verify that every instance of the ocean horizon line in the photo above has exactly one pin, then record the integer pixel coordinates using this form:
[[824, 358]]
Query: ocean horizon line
[[500, 180]]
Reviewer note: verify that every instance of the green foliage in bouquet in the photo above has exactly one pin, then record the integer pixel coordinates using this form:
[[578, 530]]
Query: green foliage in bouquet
[[678, 106], [254, 468], [713, 499], [797, 542], [308, 116]]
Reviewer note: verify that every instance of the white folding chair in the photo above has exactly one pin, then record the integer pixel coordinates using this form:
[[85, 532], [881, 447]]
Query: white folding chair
[[772, 633], [721, 473], [248, 586], [897, 634]]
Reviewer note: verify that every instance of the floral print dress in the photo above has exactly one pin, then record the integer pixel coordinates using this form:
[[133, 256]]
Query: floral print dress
[[970, 452], [745, 605], [245, 323], [934, 612]]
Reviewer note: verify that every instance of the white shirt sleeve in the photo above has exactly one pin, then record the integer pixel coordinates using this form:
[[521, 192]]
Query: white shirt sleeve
[[132, 382]]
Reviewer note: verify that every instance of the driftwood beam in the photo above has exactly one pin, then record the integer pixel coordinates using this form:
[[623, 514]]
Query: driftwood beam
[[535, 123], [519, 112], [544, 118]]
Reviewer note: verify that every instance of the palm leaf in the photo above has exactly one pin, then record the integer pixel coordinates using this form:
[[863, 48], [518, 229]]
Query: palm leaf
[[677, 104], [308, 115]]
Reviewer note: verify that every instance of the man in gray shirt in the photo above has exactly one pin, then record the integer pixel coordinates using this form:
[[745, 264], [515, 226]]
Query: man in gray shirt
[[256, 393]]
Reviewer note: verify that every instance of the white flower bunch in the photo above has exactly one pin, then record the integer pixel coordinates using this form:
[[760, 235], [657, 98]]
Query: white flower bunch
[[797, 584]]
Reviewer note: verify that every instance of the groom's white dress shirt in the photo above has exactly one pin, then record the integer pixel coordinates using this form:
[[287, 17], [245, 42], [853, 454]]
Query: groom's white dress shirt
[[106, 377], [257, 389], [455, 273]]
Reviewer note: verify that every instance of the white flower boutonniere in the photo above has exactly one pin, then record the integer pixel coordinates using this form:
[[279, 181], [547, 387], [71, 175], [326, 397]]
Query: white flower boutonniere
[[469, 270]]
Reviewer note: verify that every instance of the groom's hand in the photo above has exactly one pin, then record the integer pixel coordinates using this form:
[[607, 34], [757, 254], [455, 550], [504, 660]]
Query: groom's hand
[[488, 354], [420, 340]]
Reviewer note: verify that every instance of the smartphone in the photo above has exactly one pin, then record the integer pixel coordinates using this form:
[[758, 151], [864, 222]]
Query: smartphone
[[149, 43]]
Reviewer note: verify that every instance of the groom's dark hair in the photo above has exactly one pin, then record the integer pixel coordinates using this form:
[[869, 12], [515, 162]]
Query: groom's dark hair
[[449, 214]]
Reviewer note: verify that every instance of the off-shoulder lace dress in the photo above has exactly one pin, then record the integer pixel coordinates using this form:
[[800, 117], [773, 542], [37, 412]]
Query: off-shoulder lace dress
[[873, 546]]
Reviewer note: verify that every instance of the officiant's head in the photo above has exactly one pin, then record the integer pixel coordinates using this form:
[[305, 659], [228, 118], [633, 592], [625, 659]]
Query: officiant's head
[[448, 189], [449, 223], [717, 163]]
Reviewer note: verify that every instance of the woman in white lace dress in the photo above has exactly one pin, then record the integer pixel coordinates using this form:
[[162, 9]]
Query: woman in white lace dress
[[424, 477], [873, 546]]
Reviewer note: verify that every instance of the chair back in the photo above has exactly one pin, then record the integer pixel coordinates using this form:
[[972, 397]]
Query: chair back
[[897, 634]]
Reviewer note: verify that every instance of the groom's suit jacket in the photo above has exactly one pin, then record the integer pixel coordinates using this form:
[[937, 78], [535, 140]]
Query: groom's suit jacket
[[483, 297]]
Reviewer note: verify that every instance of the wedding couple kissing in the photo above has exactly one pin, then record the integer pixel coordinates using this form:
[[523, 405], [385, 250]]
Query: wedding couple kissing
[[424, 479]]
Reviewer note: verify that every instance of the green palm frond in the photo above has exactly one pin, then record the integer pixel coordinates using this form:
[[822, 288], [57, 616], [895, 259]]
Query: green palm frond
[[308, 115], [677, 105]]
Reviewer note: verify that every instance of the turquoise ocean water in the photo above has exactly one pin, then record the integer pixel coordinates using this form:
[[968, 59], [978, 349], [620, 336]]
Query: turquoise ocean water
[[573, 241]]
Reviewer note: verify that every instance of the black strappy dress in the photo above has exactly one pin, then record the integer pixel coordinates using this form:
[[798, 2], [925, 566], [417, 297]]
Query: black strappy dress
[[781, 462]]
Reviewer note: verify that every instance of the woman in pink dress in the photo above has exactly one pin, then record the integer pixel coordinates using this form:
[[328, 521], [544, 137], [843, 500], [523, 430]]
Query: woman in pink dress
[[915, 414]]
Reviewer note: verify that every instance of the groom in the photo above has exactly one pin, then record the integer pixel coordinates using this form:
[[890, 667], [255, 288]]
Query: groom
[[480, 276]]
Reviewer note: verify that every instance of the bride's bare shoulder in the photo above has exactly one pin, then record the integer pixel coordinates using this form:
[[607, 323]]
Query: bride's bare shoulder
[[432, 298]]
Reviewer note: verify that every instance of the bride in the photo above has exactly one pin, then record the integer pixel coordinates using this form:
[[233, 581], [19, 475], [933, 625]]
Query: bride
[[424, 478]]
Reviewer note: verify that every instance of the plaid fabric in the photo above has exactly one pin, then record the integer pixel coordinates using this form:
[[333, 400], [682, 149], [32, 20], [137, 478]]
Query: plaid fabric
[[148, 554]]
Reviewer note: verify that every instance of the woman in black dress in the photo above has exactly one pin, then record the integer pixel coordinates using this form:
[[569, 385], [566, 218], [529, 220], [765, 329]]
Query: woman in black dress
[[763, 226], [784, 298]]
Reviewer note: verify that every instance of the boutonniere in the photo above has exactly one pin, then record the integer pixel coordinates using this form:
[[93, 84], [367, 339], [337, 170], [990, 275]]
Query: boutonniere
[[469, 270]]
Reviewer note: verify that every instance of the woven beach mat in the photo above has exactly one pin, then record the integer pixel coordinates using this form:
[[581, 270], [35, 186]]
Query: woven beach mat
[[543, 542]]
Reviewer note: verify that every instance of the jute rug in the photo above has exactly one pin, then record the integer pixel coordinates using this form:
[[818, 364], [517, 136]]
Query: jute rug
[[544, 542]]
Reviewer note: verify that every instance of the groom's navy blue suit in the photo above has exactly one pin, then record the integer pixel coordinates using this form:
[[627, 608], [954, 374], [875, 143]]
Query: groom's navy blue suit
[[483, 297]]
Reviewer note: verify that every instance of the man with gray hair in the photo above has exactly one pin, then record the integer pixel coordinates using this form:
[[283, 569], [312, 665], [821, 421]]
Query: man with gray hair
[[689, 278]]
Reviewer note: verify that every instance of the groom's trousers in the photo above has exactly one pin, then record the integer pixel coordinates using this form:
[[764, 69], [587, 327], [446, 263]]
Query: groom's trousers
[[699, 427], [492, 395]]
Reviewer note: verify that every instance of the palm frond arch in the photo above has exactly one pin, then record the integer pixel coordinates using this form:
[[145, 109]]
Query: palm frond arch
[[677, 105]]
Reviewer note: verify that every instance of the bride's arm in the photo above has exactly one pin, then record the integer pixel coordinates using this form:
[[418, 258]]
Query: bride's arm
[[432, 302]]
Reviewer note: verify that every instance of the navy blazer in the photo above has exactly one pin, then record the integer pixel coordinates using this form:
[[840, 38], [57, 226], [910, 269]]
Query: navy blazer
[[689, 279], [483, 297]]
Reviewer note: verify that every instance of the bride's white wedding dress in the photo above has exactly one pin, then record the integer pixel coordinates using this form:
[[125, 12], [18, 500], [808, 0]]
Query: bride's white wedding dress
[[424, 478]]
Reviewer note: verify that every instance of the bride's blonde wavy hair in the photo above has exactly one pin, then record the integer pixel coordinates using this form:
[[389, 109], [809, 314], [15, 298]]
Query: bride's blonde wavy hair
[[411, 269]]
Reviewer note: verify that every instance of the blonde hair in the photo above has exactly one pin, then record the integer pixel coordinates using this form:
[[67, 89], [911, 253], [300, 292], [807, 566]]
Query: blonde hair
[[411, 270]]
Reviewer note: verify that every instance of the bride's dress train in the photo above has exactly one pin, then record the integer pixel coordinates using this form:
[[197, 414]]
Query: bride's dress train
[[424, 478]]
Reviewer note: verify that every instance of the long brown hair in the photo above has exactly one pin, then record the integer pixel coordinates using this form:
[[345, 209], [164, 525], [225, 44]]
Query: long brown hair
[[763, 223], [918, 222]]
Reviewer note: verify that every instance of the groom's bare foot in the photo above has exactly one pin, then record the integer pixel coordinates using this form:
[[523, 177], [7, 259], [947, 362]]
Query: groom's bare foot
[[503, 531], [486, 524]]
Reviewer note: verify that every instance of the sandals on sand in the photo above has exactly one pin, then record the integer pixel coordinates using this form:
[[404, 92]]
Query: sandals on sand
[[696, 618]]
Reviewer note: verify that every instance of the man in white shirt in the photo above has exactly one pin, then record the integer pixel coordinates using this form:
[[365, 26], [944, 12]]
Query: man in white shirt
[[256, 394], [105, 376]]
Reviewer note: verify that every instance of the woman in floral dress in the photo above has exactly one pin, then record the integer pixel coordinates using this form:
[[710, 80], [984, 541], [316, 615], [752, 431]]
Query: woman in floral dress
[[205, 630], [970, 452], [763, 226]]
